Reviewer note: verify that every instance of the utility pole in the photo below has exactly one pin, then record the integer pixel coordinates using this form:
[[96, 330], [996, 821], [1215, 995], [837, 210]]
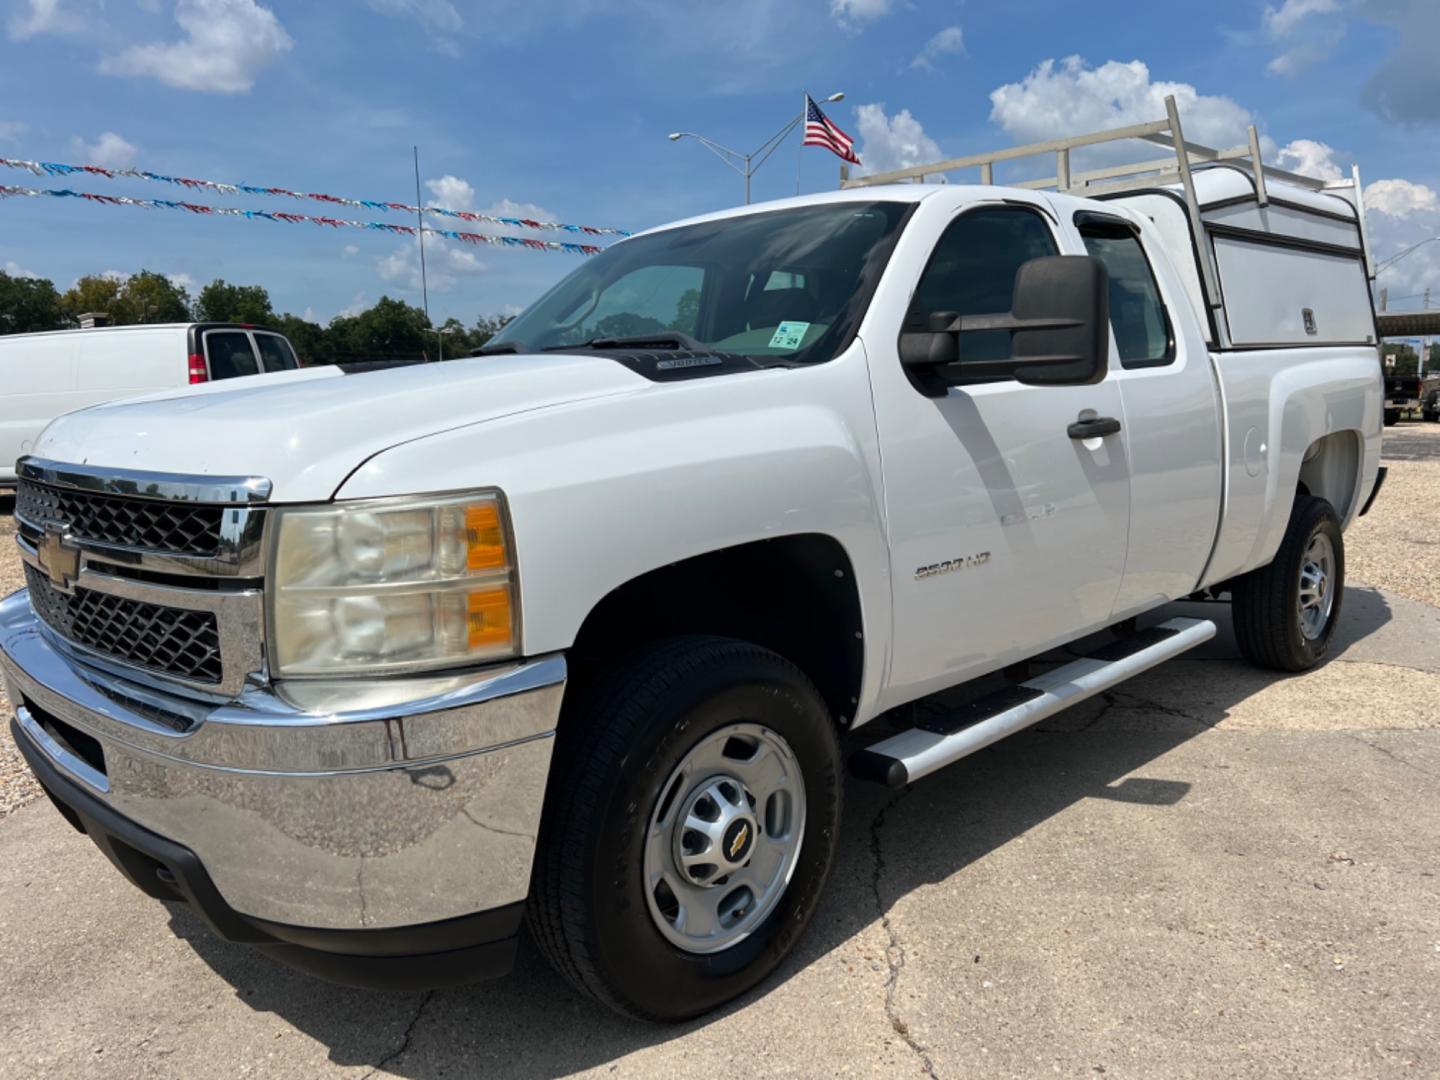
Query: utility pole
[[1384, 299], [420, 234], [1425, 344]]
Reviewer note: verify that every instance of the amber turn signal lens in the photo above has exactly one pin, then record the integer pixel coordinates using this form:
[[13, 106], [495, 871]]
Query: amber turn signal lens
[[484, 537], [487, 614]]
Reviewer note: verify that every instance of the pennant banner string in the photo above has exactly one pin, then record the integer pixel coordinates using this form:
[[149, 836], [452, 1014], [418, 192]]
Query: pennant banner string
[[295, 219], [51, 168]]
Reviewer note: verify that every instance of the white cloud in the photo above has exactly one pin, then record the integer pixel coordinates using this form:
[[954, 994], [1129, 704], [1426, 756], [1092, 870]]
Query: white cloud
[[1304, 55], [851, 12], [949, 40], [227, 44], [116, 275], [438, 18], [1310, 158], [46, 17], [356, 305], [892, 142], [452, 193], [110, 151], [349, 251], [1400, 198], [181, 280], [14, 269], [1283, 21], [11, 130], [447, 261], [1069, 98]]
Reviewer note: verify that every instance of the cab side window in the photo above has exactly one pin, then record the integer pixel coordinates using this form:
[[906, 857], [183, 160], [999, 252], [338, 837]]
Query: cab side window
[[1143, 335], [972, 272]]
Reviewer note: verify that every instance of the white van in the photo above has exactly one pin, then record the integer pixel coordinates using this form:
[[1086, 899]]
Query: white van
[[45, 375]]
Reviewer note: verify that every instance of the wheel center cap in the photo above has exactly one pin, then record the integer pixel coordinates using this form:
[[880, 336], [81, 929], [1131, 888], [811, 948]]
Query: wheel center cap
[[738, 840]]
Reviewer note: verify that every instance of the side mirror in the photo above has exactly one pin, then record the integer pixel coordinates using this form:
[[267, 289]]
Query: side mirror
[[1059, 323]]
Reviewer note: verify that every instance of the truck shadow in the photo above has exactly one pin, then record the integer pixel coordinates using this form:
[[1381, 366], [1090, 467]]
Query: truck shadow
[[892, 843]]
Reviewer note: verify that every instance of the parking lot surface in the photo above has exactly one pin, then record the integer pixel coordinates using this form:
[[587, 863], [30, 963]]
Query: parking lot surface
[[1212, 871]]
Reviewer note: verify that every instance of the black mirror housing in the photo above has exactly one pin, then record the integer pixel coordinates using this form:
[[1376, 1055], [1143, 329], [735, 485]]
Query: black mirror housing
[[1070, 293], [1059, 325]]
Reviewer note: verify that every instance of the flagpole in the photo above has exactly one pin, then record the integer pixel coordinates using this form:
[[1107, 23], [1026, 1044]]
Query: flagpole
[[800, 150]]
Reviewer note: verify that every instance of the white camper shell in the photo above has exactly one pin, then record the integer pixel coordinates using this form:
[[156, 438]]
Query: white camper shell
[[1271, 259]]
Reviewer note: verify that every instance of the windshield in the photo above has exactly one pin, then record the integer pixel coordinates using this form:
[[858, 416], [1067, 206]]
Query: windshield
[[789, 284]]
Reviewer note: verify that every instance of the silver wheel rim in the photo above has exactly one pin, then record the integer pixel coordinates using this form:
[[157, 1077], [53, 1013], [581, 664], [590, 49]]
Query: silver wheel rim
[[724, 838], [1317, 586]]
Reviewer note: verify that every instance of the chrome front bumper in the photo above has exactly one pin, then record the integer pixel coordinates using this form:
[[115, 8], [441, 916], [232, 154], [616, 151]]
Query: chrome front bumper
[[346, 805]]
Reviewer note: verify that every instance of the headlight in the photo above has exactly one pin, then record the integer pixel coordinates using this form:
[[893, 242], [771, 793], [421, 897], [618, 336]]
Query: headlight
[[392, 585]]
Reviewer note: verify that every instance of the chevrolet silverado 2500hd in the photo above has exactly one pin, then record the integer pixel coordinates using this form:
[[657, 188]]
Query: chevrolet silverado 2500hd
[[366, 667]]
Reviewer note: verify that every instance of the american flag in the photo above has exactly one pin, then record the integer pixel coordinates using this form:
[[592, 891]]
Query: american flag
[[819, 131]]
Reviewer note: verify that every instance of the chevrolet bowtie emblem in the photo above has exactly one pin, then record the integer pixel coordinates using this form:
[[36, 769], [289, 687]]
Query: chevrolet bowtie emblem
[[59, 557], [737, 845]]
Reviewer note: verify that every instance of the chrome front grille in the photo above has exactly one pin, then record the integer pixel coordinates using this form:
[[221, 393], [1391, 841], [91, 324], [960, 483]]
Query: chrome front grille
[[120, 521], [166, 640], [157, 574]]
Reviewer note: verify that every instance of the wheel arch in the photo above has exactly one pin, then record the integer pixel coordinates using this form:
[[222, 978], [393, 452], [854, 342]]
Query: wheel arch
[[796, 595]]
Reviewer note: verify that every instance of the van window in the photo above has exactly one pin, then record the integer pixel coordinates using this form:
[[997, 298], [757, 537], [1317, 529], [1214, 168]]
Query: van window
[[972, 272], [275, 352], [1142, 328], [230, 354]]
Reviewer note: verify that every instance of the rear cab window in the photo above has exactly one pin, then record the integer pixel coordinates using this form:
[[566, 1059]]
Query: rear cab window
[[275, 352], [1143, 335], [230, 354]]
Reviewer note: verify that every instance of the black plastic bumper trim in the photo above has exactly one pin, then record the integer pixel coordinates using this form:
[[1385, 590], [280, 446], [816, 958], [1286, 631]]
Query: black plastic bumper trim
[[1379, 483], [451, 952]]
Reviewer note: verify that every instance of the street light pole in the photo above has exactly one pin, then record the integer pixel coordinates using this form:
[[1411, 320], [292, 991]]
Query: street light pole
[[748, 164]]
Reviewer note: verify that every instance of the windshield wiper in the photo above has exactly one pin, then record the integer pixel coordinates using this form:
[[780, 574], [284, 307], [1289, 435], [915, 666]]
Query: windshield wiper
[[500, 348], [663, 339]]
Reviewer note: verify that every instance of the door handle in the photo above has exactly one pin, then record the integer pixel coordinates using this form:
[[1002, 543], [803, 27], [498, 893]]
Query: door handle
[[1094, 428]]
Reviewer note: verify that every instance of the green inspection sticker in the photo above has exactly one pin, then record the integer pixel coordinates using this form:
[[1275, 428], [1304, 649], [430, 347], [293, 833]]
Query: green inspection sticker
[[788, 335]]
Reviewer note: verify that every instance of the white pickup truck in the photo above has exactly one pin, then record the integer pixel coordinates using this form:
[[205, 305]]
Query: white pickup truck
[[366, 668]]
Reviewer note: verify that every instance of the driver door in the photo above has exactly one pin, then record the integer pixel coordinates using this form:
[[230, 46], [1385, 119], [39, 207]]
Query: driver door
[[1007, 535]]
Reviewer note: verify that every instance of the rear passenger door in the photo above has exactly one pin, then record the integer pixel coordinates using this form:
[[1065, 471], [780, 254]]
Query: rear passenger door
[[1159, 360], [230, 354]]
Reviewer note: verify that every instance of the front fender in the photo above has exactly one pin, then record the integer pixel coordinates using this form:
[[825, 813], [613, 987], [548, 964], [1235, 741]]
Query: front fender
[[606, 490]]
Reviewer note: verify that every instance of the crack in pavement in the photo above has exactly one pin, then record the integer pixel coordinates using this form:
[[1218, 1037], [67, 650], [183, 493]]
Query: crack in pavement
[[894, 950], [405, 1040], [1391, 754]]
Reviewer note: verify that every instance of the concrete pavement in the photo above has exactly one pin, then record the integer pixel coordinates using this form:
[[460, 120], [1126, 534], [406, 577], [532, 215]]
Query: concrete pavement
[[1211, 872]]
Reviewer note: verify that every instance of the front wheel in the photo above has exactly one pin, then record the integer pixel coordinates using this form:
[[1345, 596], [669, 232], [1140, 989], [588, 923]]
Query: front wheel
[[1285, 613], [689, 827]]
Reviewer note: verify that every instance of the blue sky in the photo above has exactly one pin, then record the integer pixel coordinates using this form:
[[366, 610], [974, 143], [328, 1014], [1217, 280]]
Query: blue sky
[[560, 110]]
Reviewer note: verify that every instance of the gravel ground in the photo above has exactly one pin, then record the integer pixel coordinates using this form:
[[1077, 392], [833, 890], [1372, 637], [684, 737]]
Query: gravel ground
[[1395, 547], [17, 787]]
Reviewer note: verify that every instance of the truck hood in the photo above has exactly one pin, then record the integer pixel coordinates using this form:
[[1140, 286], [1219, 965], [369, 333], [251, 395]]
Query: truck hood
[[306, 431]]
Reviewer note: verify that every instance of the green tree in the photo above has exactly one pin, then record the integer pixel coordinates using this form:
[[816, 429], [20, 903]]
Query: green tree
[[28, 304], [148, 297], [687, 312], [392, 329], [93, 292], [222, 302], [311, 341]]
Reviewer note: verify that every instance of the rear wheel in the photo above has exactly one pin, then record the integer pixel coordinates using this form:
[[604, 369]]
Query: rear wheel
[[689, 827], [1285, 613]]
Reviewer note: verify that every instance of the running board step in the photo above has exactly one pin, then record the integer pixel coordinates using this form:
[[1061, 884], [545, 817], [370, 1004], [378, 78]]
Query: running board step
[[937, 742]]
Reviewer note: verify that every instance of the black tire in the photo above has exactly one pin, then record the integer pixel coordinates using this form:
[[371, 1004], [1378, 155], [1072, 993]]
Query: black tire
[[1392, 417], [620, 739], [1265, 602]]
